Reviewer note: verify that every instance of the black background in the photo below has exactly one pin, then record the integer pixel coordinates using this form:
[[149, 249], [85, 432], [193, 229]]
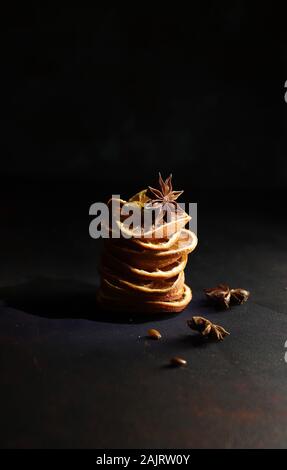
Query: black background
[[113, 94], [97, 101]]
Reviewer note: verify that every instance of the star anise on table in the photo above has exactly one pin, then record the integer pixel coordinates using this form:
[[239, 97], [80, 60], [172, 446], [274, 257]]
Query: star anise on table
[[239, 296], [223, 296], [207, 328], [220, 295], [165, 197]]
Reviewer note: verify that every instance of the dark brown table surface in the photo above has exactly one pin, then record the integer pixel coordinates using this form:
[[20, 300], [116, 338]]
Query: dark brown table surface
[[72, 376]]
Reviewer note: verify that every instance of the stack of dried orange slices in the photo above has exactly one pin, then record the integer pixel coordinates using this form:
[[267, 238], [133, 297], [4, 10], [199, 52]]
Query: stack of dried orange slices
[[143, 270]]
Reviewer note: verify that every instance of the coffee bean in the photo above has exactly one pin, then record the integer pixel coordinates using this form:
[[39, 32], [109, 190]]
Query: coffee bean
[[154, 334], [178, 361]]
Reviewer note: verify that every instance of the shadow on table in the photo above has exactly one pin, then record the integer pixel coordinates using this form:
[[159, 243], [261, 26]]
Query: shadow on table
[[65, 298]]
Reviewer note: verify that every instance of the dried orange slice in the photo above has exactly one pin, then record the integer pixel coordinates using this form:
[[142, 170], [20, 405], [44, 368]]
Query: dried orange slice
[[165, 272], [128, 304], [146, 287]]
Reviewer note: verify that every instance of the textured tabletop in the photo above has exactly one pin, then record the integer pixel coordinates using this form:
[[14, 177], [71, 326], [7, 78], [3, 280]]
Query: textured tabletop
[[73, 376]]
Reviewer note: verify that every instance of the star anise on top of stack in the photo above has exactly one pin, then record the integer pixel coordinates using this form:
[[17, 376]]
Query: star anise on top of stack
[[165, 197], [207, 328], [224, 296]]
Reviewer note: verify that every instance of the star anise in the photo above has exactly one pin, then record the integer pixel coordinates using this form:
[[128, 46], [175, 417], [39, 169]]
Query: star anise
[[165, 197], [223, 296], [220, 295], [239, 296], [207, 328]]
